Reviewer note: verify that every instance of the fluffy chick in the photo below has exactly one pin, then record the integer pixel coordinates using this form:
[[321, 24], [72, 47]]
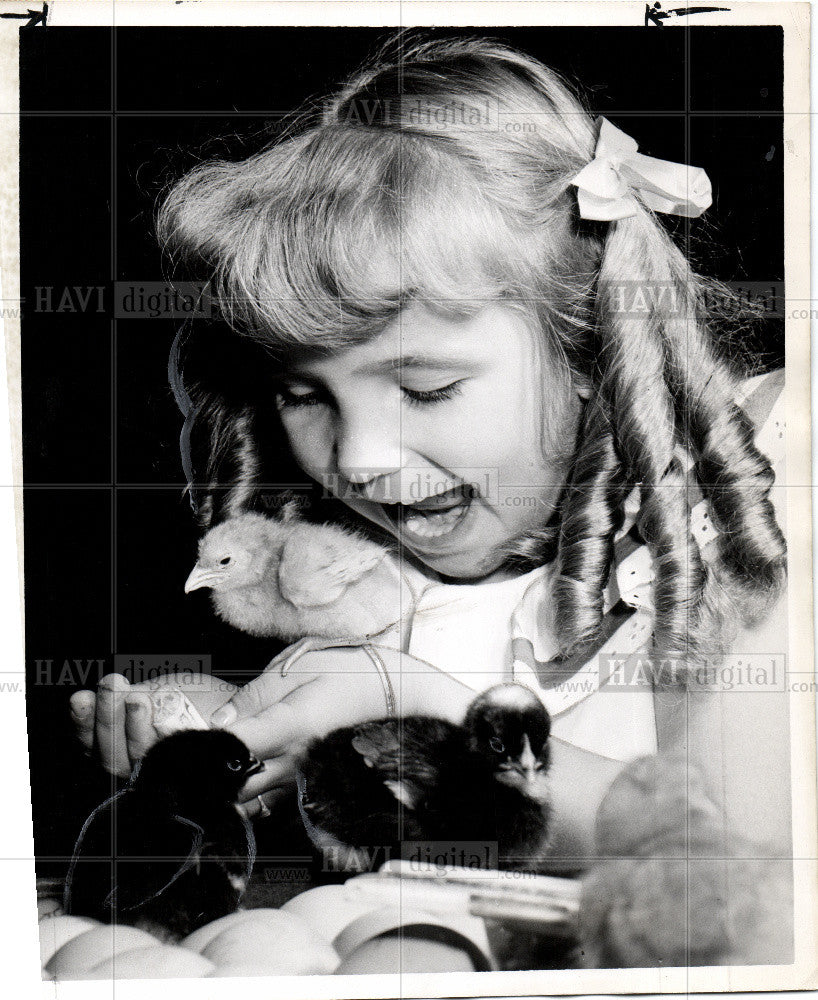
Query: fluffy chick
[[286, 578], [170, 852], [678, 888], [422, 778]]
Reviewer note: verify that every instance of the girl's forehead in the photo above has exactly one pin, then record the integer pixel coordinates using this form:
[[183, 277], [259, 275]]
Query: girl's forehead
[[423, 337]]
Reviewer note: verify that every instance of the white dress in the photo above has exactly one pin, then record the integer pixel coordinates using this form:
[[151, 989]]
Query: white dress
[[487, 633]]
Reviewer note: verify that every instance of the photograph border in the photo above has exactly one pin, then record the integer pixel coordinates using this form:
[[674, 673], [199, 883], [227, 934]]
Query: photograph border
[[795, 19]]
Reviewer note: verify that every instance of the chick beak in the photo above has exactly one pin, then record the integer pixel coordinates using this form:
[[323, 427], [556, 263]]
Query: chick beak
[[200, 577], [256, 767], [529, 776], [527, 763]]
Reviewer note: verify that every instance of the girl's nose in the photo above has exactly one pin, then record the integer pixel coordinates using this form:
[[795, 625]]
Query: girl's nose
[[368, 447]]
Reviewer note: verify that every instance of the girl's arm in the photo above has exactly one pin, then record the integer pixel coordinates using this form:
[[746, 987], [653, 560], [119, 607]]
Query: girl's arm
[[735, 729], [340, 687], [275, 715], [736, 732], [579, 781], [326, 689]]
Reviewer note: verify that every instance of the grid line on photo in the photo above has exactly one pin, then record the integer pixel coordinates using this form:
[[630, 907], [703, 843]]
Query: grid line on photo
[[114, 336], [686, 424], [114, 429], [286, 115]]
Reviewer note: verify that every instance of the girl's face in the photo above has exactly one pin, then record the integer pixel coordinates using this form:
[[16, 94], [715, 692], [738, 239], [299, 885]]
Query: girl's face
[[434, 430]]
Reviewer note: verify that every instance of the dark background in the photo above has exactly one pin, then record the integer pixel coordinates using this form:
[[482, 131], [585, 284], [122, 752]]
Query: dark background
[[108, 118]]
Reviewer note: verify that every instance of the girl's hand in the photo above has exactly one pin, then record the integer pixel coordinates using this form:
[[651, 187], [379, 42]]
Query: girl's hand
[[277, 716], [117, 720]]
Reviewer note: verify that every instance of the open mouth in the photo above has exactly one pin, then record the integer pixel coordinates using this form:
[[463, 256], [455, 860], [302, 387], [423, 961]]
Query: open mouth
[[434, 516]]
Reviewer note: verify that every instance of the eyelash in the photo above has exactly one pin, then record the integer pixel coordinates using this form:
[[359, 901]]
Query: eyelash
[[292, 401], [416, 397]]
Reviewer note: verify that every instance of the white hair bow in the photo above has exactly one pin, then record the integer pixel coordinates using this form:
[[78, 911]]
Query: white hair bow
[[605, 186]]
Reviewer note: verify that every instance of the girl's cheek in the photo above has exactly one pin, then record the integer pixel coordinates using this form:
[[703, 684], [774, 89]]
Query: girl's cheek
[[310, 440]]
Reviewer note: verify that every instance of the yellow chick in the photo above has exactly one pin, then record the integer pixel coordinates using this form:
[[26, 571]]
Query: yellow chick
[[287, 578], [676, 886]]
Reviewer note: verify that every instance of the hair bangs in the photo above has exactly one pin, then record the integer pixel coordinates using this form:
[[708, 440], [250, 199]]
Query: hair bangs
[[324, 238]]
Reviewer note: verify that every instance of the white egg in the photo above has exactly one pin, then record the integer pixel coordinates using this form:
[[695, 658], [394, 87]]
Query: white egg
[[93, 946], [156, 962], [282, 943], [329, 908], [57, 931], [239, 970]]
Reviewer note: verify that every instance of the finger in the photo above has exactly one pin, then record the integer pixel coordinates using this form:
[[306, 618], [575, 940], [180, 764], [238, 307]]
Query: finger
[[83, 708], [278, 772], [331, 657], [110, 724], [260, 694], [206, 692], [139, 732], [312, 710], [254, 808], [272, 731]]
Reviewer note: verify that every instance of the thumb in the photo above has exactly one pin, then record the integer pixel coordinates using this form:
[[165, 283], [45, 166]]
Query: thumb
[[254, 697], [259, 694], [273, 731]]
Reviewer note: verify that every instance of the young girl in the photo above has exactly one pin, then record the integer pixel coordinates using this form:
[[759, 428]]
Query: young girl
[[450, 290]]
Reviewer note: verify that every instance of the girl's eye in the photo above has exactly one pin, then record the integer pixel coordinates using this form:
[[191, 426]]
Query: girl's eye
[[234, 765], [433, 395], [287, 397]]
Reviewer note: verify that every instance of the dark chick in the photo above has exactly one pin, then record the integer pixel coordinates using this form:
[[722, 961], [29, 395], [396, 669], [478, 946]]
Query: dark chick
[[380, 783], [509, 729], [170, 852]]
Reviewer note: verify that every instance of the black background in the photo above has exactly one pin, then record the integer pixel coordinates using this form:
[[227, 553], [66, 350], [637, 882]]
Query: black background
[[108, 118]]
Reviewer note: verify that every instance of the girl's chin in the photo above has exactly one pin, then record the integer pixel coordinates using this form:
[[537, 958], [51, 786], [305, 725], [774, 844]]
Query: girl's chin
[[466, 567]]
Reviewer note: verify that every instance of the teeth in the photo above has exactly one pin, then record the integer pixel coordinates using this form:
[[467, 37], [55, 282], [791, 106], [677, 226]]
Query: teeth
[[433, 525]]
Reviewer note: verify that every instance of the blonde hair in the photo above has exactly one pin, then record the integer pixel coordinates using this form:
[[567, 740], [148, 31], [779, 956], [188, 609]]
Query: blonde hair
[[407, 186]]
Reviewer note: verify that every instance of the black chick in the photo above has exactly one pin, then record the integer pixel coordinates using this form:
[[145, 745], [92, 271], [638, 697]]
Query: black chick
[[418, 778], [170, 852]]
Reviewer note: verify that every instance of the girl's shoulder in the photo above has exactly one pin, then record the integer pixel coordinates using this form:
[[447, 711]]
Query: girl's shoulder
[[763, 400], [758, 394]]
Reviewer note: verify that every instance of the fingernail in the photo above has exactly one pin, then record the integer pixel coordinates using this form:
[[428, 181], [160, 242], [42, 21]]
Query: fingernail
[[134, 707], [223, 716], [113, 682]]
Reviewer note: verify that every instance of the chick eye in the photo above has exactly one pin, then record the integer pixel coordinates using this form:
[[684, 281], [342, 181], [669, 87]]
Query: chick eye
[[496, 745], [225, 561], [234, 765]]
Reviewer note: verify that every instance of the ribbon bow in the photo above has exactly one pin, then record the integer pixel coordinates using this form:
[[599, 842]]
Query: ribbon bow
[[605, 185]]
